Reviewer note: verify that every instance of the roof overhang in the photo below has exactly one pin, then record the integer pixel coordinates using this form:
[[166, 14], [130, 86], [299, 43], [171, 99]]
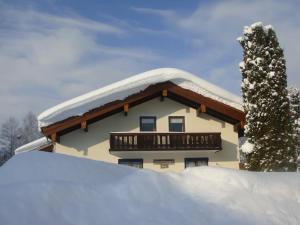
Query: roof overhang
[[175, 92]]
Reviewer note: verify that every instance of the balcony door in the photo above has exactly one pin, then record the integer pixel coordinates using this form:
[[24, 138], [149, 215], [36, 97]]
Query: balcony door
[[147, 124], [176, 124]]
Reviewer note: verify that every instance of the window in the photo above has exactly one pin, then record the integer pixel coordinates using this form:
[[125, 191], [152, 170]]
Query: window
[[147, 123], [194, 162], [176, 124], [138, 163]]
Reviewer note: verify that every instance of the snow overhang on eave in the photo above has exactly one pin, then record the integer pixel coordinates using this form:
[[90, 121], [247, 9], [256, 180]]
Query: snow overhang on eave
[[79, 106], [34, 145]]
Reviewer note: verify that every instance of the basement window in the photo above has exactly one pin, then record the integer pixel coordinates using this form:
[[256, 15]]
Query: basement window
[[137, 163], [195, 162]]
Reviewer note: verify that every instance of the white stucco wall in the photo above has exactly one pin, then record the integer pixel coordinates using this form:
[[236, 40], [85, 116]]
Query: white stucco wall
[[94, 144]]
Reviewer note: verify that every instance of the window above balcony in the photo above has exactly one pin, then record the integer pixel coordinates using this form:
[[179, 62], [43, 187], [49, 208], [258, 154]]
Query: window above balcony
[[176, 124], [147, 123]]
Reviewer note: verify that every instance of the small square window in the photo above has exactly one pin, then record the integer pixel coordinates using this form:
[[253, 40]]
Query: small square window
[[137, 163], [176, 124], [148, 123]]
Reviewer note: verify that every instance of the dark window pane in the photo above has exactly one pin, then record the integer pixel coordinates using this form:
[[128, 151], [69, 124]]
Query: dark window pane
[[194, 162], [138, 163], [147, 124], [201, 163], [189, 164], [176, 124], [147, 127], [176, 127]]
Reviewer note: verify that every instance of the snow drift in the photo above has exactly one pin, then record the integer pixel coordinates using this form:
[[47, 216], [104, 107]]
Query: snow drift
[[134, 84], [43, 188]]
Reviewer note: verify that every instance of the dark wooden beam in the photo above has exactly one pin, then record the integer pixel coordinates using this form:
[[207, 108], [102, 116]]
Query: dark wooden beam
[[202, 108], [183, 100], [236, 127], [84, 126], [221, 116], [126, 108], [239, 127], [164, 94], [242, 124], [53, 137], [241, 133], [208, 102], [48, 148]]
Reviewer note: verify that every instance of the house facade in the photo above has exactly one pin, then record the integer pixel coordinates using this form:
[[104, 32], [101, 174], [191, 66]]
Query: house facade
[[165, 120]]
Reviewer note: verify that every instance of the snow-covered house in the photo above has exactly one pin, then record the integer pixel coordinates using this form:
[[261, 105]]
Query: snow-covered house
[[163, 119]]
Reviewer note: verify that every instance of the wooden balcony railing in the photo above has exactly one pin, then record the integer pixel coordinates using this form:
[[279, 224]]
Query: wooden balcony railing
[[164, 141]]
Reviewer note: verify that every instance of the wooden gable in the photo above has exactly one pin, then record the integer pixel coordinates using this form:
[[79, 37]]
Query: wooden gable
[[165, 89]]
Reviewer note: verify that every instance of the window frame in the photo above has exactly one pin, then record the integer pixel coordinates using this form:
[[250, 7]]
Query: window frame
[[177, 117], [194, 160], [131, 160], [147, 117]]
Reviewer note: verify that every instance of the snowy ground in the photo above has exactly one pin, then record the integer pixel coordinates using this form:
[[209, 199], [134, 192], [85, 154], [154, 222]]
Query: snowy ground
[[42, 188]]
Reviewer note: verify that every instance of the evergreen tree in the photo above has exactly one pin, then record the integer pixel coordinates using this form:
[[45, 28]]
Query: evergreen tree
[[294, 97], [265, 101]]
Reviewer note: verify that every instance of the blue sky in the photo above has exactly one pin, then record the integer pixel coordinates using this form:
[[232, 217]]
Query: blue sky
[[54, 50]]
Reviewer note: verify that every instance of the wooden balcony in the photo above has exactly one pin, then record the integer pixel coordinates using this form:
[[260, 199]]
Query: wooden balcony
[[165, 141]]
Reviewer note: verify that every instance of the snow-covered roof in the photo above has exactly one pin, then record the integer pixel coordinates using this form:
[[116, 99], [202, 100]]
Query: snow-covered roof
[[134, 84], [34, 145]]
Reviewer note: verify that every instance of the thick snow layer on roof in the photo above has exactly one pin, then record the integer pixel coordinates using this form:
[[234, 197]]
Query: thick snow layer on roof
[[34, 145], [43, 188], [134, 84]]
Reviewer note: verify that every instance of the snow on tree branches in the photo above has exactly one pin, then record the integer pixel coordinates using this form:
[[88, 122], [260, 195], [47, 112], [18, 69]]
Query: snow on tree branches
[[265, 101], [294, 97]]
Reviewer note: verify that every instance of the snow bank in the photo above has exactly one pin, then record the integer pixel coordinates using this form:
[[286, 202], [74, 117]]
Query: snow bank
[[134, 84], [34, 145], [43, 188]]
